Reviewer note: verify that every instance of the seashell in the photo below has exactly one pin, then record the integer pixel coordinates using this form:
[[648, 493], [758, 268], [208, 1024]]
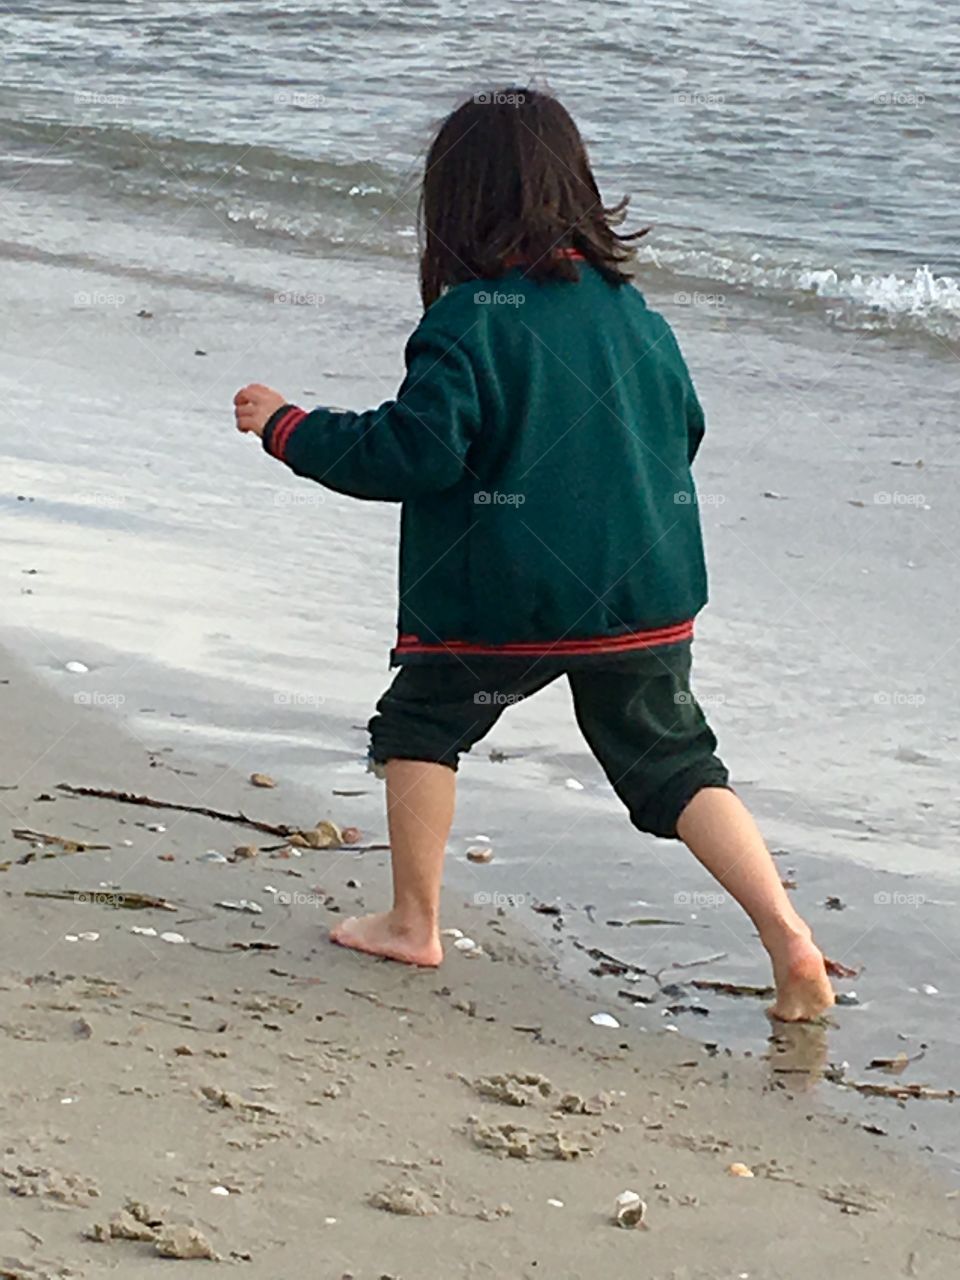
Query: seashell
[[451, 933], [740, 1170], [481, 853], [76, 668], [604, 1020], [574, 785], [172, 937], [262, 780], [629, 1210], [467, 944]]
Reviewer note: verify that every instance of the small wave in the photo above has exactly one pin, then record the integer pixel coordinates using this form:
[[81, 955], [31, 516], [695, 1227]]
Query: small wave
[[922, 303], [923, 295]]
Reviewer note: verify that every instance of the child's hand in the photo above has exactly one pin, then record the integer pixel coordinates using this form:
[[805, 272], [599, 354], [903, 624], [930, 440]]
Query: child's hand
[[253, 407]]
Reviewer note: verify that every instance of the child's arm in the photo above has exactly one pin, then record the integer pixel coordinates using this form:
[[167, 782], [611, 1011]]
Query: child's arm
[[413, 445]]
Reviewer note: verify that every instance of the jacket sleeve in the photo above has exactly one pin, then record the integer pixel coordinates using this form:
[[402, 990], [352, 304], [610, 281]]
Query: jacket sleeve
[[413, 445], [692, 410], [695, 420]]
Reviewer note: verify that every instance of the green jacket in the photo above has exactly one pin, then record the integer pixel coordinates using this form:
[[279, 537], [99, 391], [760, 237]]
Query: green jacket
[[541, 445]]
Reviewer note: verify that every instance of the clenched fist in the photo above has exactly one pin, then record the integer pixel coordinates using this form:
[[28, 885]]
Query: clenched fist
[[254, 406]]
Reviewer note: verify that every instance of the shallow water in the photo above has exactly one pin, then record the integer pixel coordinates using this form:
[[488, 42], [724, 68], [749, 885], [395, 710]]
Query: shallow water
[[803, 154]]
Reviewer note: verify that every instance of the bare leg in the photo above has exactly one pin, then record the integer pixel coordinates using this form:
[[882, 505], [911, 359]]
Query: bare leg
[[420, 801], [720, 832]]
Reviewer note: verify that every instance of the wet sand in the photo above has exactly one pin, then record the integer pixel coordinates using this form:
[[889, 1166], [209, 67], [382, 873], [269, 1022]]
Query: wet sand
[[315, 1087]]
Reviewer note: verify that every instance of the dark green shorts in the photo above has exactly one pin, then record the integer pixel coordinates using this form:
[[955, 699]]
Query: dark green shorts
[[640, 721]]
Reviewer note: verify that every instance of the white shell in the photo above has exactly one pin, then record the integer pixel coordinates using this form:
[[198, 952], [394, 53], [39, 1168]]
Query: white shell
[[76, 668], [145, 930], [574, 785], [604, 1020], [466, 944], [629, 1209], [172, 937]]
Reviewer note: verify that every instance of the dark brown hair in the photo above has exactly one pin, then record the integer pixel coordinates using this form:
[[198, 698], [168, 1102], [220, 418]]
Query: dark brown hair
[[508, 183]]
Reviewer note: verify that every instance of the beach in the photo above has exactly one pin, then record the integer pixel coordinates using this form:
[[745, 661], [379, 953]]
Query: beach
[[252, 1092], [181, 613]]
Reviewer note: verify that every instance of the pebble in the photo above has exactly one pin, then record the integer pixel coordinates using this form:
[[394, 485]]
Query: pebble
[[76, 668], [482, 854], [467, 945]]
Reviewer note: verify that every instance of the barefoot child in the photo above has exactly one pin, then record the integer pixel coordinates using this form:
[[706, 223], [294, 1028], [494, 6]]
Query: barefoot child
[[541, 445]]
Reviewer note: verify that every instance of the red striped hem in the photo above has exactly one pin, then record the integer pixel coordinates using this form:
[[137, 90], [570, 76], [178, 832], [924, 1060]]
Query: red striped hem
[[570, 648], [284, 430]]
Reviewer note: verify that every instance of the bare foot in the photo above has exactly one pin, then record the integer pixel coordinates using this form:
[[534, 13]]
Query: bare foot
[[803, 988], [382, 935]]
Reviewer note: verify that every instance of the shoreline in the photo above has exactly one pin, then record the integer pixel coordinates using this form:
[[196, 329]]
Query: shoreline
[[359, 1069]]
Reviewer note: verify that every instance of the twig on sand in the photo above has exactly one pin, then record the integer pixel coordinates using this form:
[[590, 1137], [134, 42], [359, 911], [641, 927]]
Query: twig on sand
[[106, 897], [129, 797], [733, 988], [65, 843], [239, 818], [179, 1022], [375, 999]]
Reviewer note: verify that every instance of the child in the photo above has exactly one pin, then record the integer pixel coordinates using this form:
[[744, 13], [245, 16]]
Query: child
[[541, 446]]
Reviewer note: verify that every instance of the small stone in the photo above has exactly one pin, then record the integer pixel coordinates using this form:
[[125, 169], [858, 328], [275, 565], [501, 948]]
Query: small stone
[[480, 853], [740, 1170], [185, 1242], [262, 780], [406, 1200]]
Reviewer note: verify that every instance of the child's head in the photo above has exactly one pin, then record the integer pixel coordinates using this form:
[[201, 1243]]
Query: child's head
[[508, 182]]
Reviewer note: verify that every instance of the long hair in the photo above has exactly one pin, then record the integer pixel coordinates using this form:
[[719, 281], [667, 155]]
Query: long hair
[[508, 183]]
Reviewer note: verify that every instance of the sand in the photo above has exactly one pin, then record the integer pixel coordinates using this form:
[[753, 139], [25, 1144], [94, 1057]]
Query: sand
[[307, 1111]]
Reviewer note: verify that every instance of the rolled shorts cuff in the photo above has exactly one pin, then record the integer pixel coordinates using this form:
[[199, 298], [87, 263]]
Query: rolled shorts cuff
[[661, 815]]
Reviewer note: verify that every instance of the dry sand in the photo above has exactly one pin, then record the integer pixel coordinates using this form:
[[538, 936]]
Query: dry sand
[[316, 1087]]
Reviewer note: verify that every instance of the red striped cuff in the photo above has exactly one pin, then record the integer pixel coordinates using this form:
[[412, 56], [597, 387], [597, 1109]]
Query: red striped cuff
[[280, 427], [624, 643]]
